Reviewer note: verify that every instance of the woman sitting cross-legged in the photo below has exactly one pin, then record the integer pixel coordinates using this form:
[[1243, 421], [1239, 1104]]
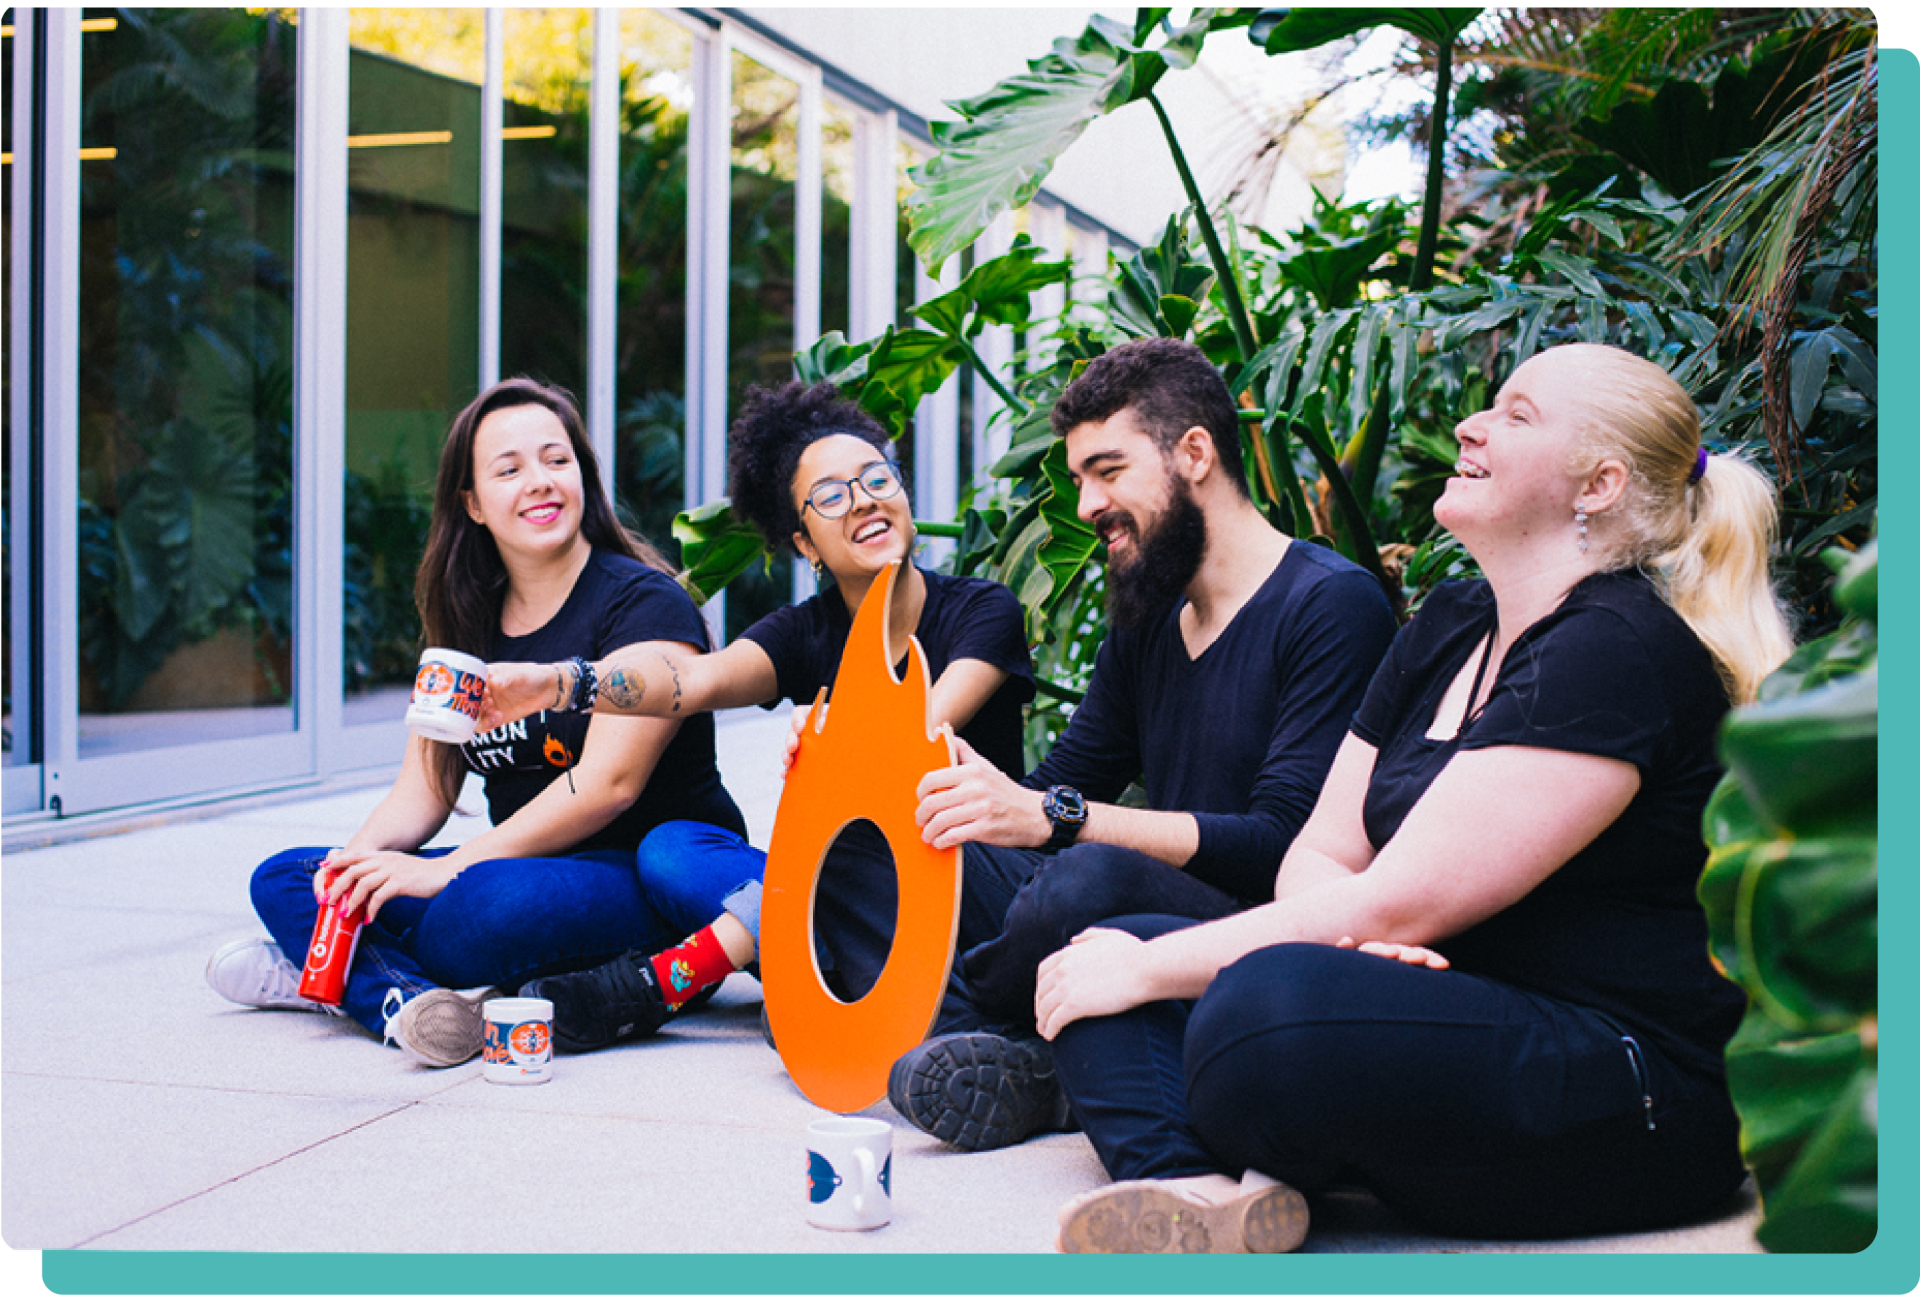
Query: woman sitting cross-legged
[[1482, 989], [524, 560], [807, 467]]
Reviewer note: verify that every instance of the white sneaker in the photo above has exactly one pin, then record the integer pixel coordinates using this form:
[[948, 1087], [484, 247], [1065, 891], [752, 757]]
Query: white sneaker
[[254, 973], [438, 1027]]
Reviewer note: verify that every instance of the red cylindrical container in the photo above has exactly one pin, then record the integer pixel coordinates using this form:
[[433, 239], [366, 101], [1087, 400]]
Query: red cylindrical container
[[335, 936]]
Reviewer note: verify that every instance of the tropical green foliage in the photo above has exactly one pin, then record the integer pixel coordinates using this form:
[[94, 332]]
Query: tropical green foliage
[[186, 444], [1352, 373], [1791, 891]]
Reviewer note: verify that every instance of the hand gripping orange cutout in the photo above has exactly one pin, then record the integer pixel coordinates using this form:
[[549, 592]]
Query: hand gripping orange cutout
[[864, 760]]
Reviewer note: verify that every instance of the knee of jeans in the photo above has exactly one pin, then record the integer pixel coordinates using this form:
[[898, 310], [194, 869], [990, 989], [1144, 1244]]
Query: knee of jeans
[[664, 852], [278, 876], [1074, 891]]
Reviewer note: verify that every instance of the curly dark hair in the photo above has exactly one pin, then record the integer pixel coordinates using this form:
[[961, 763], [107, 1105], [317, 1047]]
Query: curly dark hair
[[1170, 385], [764, 445]]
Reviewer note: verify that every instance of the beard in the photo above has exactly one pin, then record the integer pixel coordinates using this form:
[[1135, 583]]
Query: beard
[[1143, 588]]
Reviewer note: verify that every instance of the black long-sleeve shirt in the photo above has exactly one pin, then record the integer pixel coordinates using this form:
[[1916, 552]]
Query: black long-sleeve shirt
[[1242, 737]]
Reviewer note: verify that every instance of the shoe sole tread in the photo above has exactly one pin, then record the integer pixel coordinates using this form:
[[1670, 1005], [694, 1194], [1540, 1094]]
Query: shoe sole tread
[[1147, 1218], [976, 1093]]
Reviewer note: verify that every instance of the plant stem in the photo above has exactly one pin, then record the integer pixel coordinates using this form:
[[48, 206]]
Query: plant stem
[[980, 367], [1223, 267], [939, 530], [1422, 277], [1048, 688]]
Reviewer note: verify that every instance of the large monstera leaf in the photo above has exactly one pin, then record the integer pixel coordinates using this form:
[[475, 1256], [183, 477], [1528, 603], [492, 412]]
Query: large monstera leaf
[[1288, 31], [995, 159], [1791, 892]]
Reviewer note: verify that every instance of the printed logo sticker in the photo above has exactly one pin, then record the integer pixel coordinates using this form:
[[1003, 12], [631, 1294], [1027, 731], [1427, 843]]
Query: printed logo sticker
[[528, 1040], [435, 680]]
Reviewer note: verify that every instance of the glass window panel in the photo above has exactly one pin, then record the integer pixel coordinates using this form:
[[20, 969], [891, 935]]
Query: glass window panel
[[765, 118], [905, 264], [543, 237], [14, 747], [413, 315], [186, 377], [656, 96], [836, 217]]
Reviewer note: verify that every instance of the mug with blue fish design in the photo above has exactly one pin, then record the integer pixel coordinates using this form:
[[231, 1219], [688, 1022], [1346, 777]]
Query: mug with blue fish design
[[849, 1173]]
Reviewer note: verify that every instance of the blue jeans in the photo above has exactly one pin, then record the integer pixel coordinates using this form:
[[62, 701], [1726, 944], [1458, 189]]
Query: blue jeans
[[1469, 1106], [500, 922], [855, 901]]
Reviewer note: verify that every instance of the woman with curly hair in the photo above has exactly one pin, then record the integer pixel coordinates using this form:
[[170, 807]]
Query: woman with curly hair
[[524, 560], [809, 468]]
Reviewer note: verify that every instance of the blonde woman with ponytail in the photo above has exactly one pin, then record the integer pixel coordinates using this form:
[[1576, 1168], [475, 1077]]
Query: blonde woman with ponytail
[[1482, 988]]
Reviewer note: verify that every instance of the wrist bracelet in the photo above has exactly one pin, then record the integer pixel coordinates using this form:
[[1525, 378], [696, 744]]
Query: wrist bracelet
[[559, 684], [584, 683]]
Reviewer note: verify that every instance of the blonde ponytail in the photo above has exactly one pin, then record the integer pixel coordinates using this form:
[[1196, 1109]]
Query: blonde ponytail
[[1716, 577], [1703, 525]]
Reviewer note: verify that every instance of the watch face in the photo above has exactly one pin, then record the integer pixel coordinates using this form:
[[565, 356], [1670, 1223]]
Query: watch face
[[1065, 805]]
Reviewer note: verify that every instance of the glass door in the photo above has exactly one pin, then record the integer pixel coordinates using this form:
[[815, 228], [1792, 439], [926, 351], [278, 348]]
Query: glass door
[[175, 481]]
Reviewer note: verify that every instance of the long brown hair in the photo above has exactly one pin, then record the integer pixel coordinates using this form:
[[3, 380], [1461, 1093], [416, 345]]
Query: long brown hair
[[462, 583]]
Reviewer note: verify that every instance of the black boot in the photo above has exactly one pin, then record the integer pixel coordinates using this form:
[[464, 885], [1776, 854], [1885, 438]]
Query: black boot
[[980, 1091], [615, 1001]]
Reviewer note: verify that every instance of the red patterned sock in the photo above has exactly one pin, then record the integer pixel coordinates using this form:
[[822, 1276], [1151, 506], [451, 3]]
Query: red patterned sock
[[690, 966]]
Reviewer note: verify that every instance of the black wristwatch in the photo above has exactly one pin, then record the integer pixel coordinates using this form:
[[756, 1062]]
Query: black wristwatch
[[1066, 810]]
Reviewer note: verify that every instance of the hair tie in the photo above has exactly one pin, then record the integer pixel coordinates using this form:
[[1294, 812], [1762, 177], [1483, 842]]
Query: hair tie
[[1699, 466]]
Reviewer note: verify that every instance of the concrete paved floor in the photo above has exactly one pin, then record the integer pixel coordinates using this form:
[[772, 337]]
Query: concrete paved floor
[[141, 1112]]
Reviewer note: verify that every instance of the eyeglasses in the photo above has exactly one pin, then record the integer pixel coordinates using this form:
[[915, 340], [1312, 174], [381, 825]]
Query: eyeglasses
[[834, 499]]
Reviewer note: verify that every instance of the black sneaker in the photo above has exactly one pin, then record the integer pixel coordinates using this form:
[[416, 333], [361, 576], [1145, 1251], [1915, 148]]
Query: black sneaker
[[615, 1001], [980, 1091]]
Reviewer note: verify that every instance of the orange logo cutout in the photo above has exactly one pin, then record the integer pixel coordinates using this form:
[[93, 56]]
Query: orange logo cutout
[[556, 752], [864, 761]]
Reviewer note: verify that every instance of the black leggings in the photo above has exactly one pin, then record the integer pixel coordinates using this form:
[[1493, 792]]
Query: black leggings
[[1469, 1106]]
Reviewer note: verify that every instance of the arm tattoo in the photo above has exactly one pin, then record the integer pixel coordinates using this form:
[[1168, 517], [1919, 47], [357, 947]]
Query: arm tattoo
[[673, 672], [623, 688]]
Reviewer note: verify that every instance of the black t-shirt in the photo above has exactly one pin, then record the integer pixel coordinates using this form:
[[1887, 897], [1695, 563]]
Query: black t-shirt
[[963, 618], [1243, 737], [1614, 672], [615, 602]]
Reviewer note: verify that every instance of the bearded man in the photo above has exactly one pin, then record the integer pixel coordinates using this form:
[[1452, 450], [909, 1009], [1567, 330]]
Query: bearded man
[[1234, 663]]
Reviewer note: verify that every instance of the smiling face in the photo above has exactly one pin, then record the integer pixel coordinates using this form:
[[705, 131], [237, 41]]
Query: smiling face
[[873, 532], [1143, 510], [1124, 481], [527, 488], [1513, 481]]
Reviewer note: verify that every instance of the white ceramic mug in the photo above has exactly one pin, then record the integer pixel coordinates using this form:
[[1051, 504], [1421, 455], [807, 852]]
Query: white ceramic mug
[[517, 1046], [849, 1173], [446, 695]]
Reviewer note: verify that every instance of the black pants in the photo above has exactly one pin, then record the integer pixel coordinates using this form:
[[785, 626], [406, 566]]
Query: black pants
[[857, 901], [1081, 886], [1468, 1106]]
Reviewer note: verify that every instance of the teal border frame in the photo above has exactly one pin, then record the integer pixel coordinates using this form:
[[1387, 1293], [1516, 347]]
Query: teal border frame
[[1891, 1264]]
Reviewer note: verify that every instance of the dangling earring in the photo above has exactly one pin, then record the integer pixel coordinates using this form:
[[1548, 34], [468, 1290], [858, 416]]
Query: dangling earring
[[1580, 524], [817, 568]]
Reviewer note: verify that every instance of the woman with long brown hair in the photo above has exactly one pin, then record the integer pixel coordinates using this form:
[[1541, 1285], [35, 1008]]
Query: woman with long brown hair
[[525, 561]]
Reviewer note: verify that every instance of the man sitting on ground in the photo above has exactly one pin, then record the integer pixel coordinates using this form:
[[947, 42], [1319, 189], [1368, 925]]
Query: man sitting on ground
[[1235, 661]]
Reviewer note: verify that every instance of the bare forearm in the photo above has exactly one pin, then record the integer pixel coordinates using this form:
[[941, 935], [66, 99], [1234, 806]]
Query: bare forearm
[[1172, 838], [636, 680], [553, 822], [1183, 963]]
